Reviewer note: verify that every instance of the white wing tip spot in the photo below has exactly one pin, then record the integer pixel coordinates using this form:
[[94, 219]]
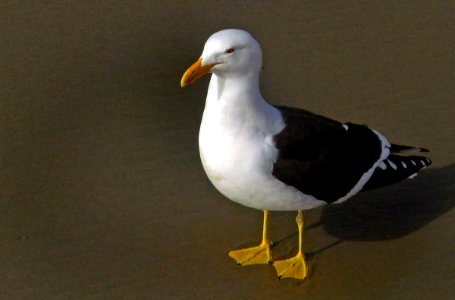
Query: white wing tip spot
[[394, 166], [382, 165], [404, 164]]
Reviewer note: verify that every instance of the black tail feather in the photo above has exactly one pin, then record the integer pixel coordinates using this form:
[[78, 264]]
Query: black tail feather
[[395, 149]]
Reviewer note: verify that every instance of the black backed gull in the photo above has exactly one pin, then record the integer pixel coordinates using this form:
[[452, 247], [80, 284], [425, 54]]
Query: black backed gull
[[275, 158]]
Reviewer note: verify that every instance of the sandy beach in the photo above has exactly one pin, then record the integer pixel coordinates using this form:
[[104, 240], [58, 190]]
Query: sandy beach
[[102, 194]]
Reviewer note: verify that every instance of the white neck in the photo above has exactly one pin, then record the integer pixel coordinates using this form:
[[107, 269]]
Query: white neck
[[238, 102], [239, 91]]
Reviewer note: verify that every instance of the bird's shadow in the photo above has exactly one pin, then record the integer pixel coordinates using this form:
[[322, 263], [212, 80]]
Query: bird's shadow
[[389, 212], [393, 211]]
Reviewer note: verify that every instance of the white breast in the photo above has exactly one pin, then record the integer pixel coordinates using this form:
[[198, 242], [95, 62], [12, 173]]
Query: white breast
[[238, 153]]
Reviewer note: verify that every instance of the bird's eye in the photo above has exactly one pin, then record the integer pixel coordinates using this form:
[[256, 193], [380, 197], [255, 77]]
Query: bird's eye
[[230, 50]]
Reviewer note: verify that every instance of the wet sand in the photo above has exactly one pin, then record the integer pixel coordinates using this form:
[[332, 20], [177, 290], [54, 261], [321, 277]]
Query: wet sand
[[102, 195]]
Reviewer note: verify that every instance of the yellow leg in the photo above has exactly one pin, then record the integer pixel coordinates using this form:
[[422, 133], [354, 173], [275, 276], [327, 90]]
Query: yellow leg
[[255, 255], [296, 266]]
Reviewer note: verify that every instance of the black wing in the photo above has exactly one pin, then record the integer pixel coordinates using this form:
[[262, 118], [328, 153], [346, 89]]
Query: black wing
[[397, 168], [321, 157]]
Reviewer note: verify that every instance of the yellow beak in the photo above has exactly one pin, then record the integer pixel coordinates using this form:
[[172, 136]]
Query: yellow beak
[[195, 72]]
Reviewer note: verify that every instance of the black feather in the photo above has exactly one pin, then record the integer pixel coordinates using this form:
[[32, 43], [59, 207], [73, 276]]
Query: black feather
[[321, 158], [395, 149], [397, 169]]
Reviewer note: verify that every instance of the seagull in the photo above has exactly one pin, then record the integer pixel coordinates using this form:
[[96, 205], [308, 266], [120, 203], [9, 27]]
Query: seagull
[[276, 158]]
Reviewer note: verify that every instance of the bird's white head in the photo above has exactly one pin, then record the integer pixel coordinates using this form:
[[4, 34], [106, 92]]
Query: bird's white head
[[229, 52]]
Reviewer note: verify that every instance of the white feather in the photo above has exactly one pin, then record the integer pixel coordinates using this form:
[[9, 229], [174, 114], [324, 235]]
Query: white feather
[[236, 137]]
